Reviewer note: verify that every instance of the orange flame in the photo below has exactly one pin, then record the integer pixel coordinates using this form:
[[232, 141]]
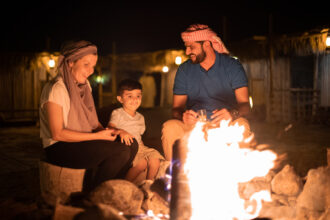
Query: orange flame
[[216, 167]]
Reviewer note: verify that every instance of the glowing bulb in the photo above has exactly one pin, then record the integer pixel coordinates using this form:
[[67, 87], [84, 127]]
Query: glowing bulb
[[178, 60], [99, 79], [165, 69], [327, 42], [251, 101], [51, 63]]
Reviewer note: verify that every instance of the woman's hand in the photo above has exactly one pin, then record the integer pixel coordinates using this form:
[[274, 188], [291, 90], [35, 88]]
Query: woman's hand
[[190, 117], [107, 134]]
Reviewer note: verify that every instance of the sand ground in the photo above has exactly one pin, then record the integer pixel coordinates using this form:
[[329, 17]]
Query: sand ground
[[20, 149]]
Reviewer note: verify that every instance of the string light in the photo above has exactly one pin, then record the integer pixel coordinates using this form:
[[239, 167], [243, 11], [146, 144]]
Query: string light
[[51, 63], [165, 69], [327, 42], [178, 60]]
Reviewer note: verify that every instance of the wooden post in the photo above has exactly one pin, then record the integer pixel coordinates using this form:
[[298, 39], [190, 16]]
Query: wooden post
[[162, 89], [59, 182], [315, 95], [180, 204], [328, 156], [113, 73], [100, 92], [271, 64], [298, 106], [35, 91], [100, 89]]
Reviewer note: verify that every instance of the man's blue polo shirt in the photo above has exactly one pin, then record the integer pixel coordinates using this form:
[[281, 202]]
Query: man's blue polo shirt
[[212, 89]]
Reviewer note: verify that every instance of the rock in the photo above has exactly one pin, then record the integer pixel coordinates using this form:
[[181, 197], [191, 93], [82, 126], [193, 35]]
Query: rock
[[63, 212], [247, 189], [57, 183], [157, 204], [280, 200], [120, 194], [145, 187], [277, 212], [325, 215], [287, 182], [306, 214], [109, 213], [100, 212], [316, 193]]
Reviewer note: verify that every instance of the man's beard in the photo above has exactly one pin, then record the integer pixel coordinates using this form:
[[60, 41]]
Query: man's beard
[[199, 57]]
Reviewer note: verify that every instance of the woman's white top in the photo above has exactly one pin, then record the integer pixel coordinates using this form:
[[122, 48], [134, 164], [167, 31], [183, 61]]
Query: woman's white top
[[56, 93]]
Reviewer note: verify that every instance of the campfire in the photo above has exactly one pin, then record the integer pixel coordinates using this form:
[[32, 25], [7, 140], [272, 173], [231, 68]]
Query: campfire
[[214, 167], [215, 174]]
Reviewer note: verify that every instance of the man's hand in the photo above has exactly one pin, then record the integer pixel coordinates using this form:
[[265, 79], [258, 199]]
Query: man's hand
[[190, 117], [219, 115]]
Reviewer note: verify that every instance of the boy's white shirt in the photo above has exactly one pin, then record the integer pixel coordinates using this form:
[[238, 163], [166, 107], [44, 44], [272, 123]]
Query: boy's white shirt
[[133, 125]]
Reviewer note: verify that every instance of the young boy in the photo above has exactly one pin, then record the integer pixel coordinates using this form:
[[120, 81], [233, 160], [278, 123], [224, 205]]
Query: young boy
[[130, 124]]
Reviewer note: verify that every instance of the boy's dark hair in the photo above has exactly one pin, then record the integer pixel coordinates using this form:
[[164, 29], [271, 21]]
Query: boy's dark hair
[[128, 84]]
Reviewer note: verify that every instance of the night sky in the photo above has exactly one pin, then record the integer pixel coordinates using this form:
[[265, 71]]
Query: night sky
[[35, 27]]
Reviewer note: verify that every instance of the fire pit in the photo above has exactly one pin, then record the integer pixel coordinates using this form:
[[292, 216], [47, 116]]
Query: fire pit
[[207, 172]]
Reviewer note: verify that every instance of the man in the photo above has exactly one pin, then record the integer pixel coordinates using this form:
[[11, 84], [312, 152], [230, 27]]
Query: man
[[210, 80]]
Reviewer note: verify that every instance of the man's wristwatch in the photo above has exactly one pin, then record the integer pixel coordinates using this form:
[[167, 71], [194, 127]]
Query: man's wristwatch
[[234, 114]]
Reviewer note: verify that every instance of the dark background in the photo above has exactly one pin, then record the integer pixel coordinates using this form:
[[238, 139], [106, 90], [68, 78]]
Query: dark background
[[32, 26]]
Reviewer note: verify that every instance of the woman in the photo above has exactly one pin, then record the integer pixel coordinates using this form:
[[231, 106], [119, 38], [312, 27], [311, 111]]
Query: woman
[[71, 134]]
